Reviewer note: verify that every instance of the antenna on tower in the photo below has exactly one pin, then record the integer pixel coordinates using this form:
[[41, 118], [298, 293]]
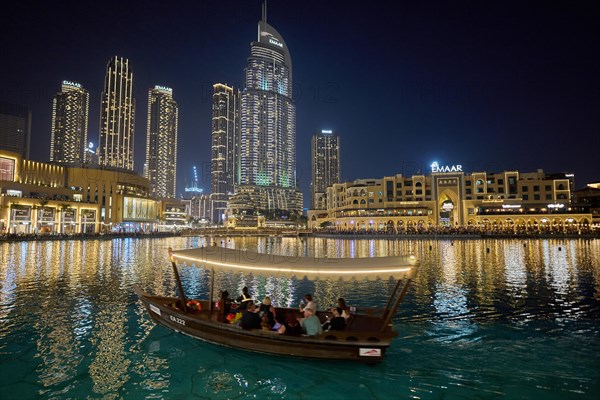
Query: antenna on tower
[[264, 10]]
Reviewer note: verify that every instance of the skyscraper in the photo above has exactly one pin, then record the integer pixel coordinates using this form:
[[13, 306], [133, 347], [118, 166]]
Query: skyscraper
[[325, 152], [225, 166], [117, 116], [70, 108], [268, 122], [15, 128], [161, 142]]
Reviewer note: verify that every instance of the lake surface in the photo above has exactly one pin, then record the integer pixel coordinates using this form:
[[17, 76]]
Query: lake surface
[[484, 319]]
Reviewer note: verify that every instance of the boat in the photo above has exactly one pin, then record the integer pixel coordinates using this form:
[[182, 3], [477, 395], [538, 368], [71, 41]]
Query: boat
[[367, 335]]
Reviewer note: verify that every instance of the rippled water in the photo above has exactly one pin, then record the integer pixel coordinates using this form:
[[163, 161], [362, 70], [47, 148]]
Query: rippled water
[[483, 319]]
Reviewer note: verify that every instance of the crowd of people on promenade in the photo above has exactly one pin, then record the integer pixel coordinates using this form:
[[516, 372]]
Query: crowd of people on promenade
[[71, 236], [467, 230]]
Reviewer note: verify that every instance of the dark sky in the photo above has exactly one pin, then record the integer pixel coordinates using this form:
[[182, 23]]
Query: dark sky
[[491, 85]]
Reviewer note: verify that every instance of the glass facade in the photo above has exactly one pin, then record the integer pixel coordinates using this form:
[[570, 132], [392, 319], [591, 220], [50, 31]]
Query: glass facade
[[161, 142], [70, 108]]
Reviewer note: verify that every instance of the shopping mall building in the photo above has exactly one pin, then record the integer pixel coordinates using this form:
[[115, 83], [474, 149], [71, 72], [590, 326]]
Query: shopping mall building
[[449, 198], [46, 198]]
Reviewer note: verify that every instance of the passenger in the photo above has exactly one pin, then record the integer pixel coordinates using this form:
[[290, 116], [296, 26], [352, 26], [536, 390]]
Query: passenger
[[250, 318], [292, 326], [337, 323], [266, 309], [310, 323], [264, 325], [345, 309], [225, 303], [308, 303], [244, 299]]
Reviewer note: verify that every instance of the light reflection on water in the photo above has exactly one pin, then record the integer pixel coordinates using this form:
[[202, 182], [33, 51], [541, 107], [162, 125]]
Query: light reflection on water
[[483, 318]]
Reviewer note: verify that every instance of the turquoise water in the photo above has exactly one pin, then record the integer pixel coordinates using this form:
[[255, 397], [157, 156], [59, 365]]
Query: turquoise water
[[484, 319]]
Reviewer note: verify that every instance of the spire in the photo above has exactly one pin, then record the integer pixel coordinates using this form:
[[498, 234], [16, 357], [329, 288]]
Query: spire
[[264, 10]]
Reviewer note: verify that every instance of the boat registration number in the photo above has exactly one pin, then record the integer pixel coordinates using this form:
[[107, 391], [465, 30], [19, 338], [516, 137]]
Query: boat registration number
[[365, 352], [177, 320]]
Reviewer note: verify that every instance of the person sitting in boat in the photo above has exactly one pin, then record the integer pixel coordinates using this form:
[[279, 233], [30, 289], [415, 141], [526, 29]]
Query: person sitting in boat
[[337, 323], [345, 309], [250, 318], [292, 326], [266, 309], [308, 302], [244, 299], [225, 303], [311, 323]]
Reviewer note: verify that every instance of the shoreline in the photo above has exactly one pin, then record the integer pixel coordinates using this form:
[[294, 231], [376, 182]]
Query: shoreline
[[457, 236]]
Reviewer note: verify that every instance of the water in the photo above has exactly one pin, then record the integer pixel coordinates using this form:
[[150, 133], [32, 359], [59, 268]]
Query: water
[[484, 319]]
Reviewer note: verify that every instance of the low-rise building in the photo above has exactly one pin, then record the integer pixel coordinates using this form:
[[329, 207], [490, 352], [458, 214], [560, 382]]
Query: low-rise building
[[450, 198]]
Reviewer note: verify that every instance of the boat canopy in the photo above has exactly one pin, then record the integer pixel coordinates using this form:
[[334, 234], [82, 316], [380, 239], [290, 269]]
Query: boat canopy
[[313, 268]]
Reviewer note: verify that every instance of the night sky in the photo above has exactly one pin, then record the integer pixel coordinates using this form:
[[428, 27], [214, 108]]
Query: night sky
[[491, 85]]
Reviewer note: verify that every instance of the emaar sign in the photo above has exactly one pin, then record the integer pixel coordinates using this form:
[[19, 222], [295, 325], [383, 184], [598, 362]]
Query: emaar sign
[[435, 167]]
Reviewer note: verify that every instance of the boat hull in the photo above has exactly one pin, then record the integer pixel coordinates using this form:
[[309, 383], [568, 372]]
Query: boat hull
[[363, 346]]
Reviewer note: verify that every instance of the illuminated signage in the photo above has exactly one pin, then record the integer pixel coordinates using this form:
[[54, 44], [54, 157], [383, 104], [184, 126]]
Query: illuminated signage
[[556, 205], [69, 83], [275, 42], [326, 131], [166, 89], [435, 167], [511, 206], [447, 206]]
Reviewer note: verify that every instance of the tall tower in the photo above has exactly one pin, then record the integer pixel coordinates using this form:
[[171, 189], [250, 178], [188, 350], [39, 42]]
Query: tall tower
[[15, 128], [268, 121], [117, 116], [70, 109], [225, 141], [161, 142], [325, 152]]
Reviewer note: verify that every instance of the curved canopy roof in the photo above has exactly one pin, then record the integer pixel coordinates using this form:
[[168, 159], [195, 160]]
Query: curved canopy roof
[[248, 261]]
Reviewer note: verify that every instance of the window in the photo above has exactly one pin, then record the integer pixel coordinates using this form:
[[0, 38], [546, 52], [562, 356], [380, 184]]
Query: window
[[548, 188], [398, 185], [525, 189], [468, 183], [525, 197], [468, 191], [548, 197], [536, 196], [500, 181], [536, 188]]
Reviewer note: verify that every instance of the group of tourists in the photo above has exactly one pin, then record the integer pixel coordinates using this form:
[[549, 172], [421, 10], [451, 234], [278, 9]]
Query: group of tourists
[[264, 315]]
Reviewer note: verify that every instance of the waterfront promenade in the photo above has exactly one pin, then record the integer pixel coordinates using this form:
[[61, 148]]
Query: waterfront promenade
[[452, 234]]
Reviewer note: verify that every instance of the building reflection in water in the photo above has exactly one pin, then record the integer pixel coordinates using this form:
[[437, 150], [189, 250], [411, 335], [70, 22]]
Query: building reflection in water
[[72, 304]]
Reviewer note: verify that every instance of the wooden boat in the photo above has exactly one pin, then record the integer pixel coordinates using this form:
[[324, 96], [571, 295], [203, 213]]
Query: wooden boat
[[366, 338]]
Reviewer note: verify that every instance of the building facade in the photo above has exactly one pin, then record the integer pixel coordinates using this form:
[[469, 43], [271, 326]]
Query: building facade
[[225, 165], [510, 201], [161, 142], [117, 116], [15, 128], [46, 198], [70, 109], [325, 152], [268, 117]]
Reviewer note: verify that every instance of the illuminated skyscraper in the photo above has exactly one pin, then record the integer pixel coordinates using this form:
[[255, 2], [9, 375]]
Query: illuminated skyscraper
[[325, 151], [117, 116], [15, 128], [70, 108], [161, 142], [225, 141], [268, 122]]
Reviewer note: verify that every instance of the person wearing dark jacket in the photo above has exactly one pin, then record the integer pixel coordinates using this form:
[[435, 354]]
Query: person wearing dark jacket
[[244, 299], [250, 318]]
